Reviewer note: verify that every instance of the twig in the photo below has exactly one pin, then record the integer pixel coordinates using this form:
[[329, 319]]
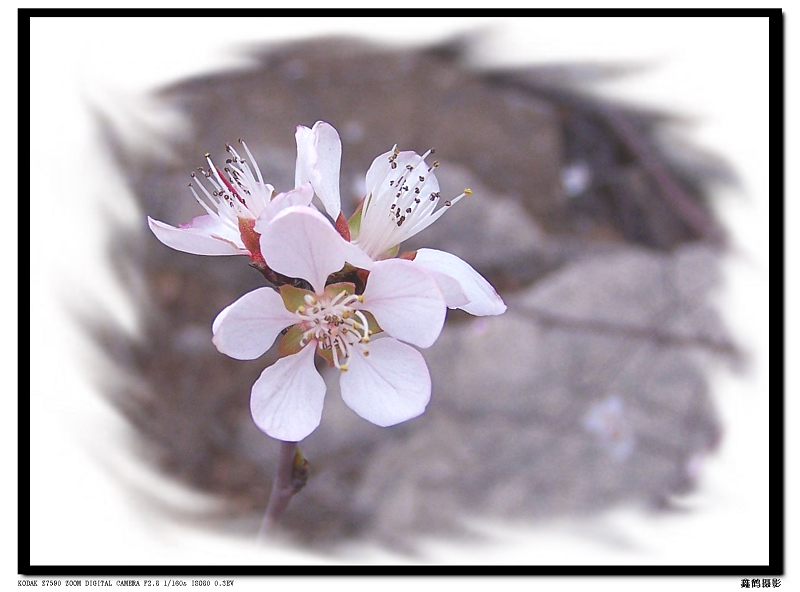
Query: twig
[[276, 279], [669, 189], [290, 477]]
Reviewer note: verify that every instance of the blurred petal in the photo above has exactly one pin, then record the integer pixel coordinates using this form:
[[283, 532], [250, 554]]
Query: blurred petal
[[301, 243], [389, 386], [406, 301], [198, 237], [248, 327], [483, 299], [608, 421], [286, 400]]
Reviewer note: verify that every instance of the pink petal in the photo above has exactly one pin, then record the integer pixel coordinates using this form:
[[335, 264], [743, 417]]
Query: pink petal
[[355, 256], [454, 295], [299, 196], [305, 155], [319, 156], [202, 236], [483, 299], [377, 172], [286, 400], [406, 301], [325, 172], [390, 385], [212, 225], [248, 327], [301, 243]]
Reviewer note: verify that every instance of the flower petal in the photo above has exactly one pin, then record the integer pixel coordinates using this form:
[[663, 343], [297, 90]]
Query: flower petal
[[483, 299], [319, 157], [389, 386], [355, 256], [402, 195], [301, 243], [202, 236], [454, 295], [248, 327], [286, 400], [406, 301], [299, 196], [214, 226]]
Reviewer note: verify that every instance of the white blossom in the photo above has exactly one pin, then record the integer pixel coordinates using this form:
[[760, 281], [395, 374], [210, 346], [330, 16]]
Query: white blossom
[[383, 379], [235, 197]]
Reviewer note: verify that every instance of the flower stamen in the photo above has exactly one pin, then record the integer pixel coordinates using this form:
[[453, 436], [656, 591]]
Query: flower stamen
[[393, 210], [236, 197], [334, 324]]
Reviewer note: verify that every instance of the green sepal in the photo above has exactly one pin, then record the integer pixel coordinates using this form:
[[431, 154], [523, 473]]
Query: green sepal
[[390, 253], [354, 223], [333, 290], [290, 342], [294, 298], [372, 324], [326, 355]]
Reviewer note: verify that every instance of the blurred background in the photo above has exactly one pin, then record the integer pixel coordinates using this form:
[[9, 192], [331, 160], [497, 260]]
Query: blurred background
[[632, 249]]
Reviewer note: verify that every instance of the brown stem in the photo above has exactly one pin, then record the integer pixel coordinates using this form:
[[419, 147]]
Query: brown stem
[[268, 274], [290, 477], [277, 279]]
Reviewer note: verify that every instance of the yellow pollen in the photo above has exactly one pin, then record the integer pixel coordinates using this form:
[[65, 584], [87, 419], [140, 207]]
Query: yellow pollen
[[468, 191], [361, 298], [365, 339], [343, 367], [301, 309]]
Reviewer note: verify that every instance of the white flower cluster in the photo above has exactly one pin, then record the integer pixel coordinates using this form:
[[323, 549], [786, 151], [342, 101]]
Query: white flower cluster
[[366, 306]]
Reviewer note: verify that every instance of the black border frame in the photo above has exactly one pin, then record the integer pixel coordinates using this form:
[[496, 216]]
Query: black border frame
[[776, 566]]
